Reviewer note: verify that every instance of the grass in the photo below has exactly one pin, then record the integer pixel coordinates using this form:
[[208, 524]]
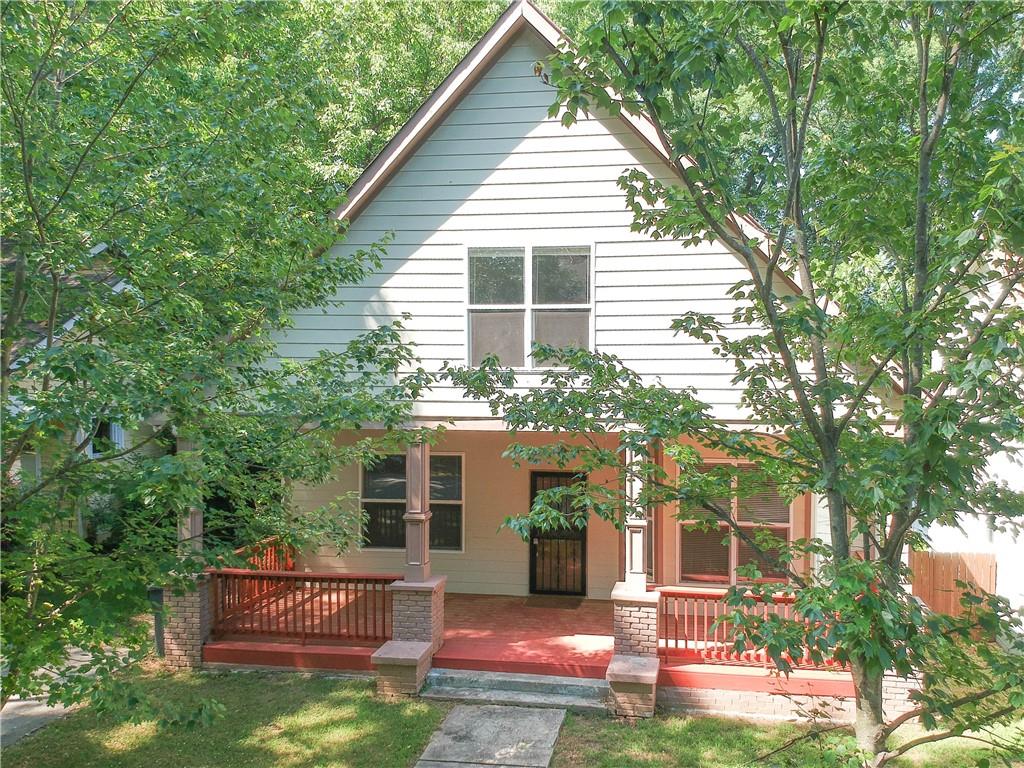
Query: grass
[[288, 720], [283, 720], [716, 742]]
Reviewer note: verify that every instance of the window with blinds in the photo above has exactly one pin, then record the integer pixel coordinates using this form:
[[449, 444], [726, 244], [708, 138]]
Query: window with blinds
[[714, 555], [383, 500]]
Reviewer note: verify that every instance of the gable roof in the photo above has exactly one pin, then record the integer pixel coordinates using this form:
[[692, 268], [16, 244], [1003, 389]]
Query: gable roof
[[521, 14]]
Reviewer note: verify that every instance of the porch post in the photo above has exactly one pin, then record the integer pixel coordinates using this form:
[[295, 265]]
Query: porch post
[[633, 672], [417, 515], [417, 601], [636, 533], [187, 624]]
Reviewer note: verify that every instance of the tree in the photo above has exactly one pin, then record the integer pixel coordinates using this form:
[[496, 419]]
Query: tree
[[881, 148], [168, 171]]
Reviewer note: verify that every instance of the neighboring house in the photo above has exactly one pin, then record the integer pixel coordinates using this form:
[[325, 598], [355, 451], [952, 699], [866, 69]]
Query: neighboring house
[[976, 536], [511, 229]]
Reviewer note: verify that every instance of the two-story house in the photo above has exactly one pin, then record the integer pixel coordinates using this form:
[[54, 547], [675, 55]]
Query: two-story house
[[509, 229]]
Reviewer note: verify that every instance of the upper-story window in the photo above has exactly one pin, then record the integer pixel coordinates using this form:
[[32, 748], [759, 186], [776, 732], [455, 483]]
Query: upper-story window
[[520, 296]]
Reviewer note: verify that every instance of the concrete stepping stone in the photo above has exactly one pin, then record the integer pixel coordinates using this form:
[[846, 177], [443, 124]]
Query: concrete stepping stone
[[494, 736]]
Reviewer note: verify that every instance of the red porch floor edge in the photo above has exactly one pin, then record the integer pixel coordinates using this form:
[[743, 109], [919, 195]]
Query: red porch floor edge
[[546, 636], [270, 654]]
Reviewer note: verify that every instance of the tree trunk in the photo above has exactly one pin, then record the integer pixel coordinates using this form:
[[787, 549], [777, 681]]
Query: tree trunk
[[869, 726]]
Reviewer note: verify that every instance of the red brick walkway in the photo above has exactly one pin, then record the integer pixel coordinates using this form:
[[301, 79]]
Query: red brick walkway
[[539, 635]]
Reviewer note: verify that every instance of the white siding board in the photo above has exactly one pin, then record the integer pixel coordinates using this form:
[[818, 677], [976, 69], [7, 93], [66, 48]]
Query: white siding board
[[532, 129], [606, 321], [616, 159], [498, 170], [502, 207], [508, 176]]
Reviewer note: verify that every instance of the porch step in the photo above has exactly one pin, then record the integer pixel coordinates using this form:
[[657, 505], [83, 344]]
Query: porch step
[[515, 689]]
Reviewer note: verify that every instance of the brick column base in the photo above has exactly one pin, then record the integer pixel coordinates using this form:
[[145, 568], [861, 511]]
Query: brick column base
[[635, 621], [417, 611], [187, 625], [632, 685], [402, 666], [896, 692], [633, 672]]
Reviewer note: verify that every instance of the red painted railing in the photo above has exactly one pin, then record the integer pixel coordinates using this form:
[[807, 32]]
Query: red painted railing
[[689, 626], [269, 555], [303, 606]]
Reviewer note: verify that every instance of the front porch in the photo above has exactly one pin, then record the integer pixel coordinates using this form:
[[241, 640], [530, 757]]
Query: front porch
[[284, 613], [331, 622]]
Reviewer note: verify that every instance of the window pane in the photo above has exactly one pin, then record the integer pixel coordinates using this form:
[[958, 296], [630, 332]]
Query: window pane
[[384, 524], [760, 502], [746, 555], [703, 555], [561, 275], [562, 328], [385, 479], [445, 526], [446, 478], [496, 275], [496, 332]]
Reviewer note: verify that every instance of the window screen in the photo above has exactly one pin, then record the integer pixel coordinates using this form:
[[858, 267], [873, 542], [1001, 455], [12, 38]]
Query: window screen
[[497, 332], [746, 555], [760, 502], [496, 275], [703, 555], [561, 328], [561, 275]]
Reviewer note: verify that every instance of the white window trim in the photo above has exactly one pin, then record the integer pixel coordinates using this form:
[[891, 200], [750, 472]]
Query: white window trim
[[461, 502], [528, 307], [117, 436], [462, 492], [734, 548]]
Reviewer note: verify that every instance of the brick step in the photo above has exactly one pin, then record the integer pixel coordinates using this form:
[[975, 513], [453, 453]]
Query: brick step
[[516, 689]]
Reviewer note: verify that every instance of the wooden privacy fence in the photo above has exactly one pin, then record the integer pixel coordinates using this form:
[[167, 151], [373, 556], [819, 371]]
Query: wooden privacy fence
[[689, 626], [303, 606], [935, 575]]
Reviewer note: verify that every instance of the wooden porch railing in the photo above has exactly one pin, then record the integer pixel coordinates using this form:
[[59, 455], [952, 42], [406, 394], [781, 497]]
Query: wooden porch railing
[[269, 555], [303, 606], [689, 626]]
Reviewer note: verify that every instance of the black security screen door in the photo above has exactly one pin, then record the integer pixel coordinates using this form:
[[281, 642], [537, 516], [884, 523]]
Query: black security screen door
[[558, 557]]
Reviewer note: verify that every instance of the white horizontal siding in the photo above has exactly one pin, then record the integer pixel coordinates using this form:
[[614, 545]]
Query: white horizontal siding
[[499, 171]]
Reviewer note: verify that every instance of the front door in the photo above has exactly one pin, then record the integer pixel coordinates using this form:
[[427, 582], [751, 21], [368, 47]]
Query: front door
[[558, 557]]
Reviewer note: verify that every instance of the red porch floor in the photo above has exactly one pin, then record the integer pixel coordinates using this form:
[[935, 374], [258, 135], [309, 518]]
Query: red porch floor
[[536, 635]]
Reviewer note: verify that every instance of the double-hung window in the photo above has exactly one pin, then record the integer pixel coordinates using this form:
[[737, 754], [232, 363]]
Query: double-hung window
[[519, 297], [713, 555], [383, 500], [106, 437]]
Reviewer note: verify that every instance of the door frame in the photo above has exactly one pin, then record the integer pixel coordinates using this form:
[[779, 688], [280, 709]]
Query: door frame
[[534, 475]]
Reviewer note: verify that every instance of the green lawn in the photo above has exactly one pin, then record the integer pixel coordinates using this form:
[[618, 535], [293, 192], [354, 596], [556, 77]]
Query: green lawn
[[715, 742], [287, 720], [282, 720]]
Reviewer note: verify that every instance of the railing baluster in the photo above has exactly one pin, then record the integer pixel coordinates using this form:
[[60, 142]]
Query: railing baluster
[[306, 606]]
